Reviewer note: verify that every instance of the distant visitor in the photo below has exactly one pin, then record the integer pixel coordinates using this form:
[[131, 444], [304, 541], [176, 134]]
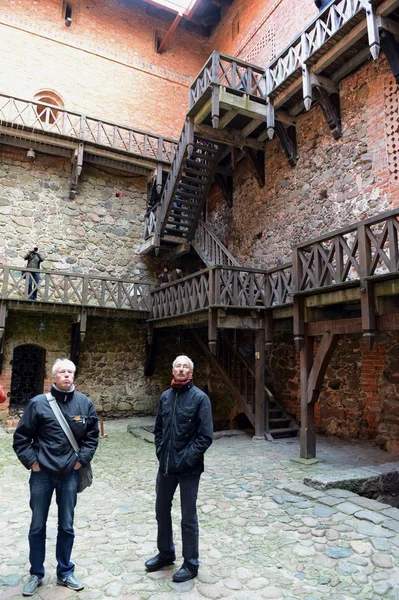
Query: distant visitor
[[33, 259]]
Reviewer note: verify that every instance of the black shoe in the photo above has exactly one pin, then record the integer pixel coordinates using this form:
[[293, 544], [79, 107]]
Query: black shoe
[[184, 574], [71, 582], [31, 585], [157, 562]]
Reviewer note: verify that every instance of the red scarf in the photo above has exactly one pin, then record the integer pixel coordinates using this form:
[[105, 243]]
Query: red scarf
[[180, 384]]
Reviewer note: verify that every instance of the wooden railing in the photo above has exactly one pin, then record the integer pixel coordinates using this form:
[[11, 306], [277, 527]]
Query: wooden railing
[[210, 248], [59, 287], [158, 216], [367, 249], [234, 287], [230, 72], [316, 35], [56, 120]]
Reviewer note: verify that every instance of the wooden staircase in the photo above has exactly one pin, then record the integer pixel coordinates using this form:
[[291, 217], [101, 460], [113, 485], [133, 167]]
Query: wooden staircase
[[174, 219], [210, 249], [240, 378]]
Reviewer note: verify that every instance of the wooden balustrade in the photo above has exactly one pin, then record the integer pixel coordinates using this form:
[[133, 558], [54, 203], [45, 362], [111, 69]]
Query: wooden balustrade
[[59, 287], [210, 248], [230, 72], [366, 249], [56, 120]]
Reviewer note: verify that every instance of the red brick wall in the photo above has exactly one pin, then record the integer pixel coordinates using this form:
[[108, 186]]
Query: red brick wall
[[104, 64], [265, 28]]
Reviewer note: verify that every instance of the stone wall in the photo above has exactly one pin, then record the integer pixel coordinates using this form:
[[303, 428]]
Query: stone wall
[[334, 184], [98, 232]]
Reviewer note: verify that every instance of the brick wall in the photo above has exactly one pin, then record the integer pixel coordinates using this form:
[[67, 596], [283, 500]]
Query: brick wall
[[103, 65]]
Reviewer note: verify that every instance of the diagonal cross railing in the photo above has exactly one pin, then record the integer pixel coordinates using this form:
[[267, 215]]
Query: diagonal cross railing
[[72, 289], [54, 120]]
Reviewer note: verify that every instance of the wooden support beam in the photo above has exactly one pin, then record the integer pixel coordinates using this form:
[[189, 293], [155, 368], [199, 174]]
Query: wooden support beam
[[331, 109], [259, 382], [327, 346], [227, 118], [164, 44], [226, 185], [77, 164], [230, 138], [75, 344], [150, 348], [257, 162], [83, 324], [269, 332], [308, 432], [3, 318], [391, 50], [287, 137], [212, 330], [366, 288], [243, 104]]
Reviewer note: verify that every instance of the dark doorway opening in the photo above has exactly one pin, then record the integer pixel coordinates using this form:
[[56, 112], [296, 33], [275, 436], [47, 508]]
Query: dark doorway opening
[[27, 377]]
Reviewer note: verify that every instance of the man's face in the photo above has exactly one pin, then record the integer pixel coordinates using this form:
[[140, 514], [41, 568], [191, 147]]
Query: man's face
[[63, 379], [182, 370]]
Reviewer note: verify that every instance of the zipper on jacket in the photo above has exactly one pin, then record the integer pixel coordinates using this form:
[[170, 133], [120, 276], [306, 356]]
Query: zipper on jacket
[[171, 435]]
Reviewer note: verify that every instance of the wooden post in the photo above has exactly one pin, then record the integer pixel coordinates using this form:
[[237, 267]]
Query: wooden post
[[308, 433], [259, 382], [212, 330], [215, 89], [366, 288]]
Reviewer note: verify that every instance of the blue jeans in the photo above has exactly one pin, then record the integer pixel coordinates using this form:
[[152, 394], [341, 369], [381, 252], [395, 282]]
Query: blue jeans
[[165, 488], [42, 486], [33, 282]]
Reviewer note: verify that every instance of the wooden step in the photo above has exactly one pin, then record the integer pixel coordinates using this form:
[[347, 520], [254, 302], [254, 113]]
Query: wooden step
[[284, 431]]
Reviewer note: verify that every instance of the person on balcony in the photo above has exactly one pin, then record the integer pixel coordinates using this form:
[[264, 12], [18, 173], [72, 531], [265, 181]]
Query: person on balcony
[[183, 432], [163, 277], [176, 274], [33, 259], [43, 447]]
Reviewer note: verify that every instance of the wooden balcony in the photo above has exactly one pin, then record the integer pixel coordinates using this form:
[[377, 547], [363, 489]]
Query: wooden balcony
[[62, 292], [55, 130]]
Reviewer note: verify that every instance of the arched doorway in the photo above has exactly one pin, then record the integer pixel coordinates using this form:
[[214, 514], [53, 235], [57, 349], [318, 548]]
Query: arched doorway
[[27, 377]]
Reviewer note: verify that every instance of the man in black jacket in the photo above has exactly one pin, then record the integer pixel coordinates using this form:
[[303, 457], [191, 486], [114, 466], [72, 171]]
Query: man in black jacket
[[183, 432], [42, 447]]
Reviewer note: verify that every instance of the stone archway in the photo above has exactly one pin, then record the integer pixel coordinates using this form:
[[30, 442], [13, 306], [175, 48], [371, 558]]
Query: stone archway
[[27, 376]]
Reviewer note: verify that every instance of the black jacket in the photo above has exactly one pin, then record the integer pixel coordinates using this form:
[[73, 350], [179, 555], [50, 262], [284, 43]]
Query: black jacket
[[39, 436], [183, 430]]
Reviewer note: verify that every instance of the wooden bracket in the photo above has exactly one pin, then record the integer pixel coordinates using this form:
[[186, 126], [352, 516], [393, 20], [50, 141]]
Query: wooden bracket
[[3, 318], [83, 324], [257, 162], [327, 346], [212, 330], [77, 164], [391, 50], [330, 106], [150, 349], [287, 137], [225, 183], [269, 332]]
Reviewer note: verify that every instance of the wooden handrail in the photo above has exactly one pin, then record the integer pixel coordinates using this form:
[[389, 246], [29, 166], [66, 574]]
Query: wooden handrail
[[61, 287], [57, 120]]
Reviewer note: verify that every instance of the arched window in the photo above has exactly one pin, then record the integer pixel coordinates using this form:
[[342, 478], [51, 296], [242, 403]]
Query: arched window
[[48, 114]]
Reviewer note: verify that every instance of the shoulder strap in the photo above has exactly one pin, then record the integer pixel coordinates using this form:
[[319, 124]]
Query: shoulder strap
[[62, 421]]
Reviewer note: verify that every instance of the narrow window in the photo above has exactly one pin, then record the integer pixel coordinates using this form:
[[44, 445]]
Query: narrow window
[[235, 27]]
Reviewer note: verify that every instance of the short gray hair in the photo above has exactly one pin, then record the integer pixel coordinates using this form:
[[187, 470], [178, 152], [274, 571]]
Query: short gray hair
[[190, 362], [61, 362]]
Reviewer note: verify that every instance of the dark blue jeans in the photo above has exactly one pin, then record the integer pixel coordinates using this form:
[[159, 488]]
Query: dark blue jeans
[[42, 487], [165, 487], [33, 282]]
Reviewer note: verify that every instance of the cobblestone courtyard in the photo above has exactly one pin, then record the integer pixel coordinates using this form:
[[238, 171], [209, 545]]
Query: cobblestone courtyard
[[263, 534]]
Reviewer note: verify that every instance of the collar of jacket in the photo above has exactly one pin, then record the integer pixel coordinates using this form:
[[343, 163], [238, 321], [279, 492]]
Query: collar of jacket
[[62, 396], [183, 388]]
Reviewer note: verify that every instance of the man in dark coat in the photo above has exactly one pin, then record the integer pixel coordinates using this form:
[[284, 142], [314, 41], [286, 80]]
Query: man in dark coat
[[42, 447], [183, 432], [33, 259]]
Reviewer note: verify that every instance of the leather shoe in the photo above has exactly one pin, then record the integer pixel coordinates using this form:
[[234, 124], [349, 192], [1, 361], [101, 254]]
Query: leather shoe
[[157, 562], [31, 585], [184, 574], [71, 582]]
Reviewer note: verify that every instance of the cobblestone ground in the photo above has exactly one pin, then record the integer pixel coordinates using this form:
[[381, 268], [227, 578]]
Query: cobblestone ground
[[263, 534]]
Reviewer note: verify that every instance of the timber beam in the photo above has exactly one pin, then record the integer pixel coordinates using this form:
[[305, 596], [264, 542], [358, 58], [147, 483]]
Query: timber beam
[[287, 137], [390, 48], [3, 318], [257, 162], [225, 183], [77, 165], [230, 138]]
